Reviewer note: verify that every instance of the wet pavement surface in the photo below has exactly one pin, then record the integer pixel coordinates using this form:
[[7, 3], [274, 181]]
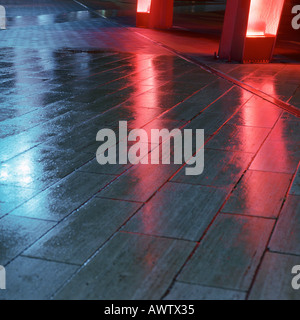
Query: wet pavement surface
[[70, 228]]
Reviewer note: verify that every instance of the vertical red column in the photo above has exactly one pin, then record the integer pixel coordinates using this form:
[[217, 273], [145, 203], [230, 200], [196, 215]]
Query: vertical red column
[[155, 13], [250, 30]]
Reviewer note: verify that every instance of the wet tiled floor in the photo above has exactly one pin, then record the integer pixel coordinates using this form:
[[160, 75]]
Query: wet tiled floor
[[70, 228]]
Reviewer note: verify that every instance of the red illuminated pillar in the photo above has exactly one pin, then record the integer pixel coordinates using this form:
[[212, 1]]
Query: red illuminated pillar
[[250, 30], [155, 14]]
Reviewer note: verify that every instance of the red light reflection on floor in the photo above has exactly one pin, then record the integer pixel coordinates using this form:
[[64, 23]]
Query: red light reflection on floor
[[148, 75], [254, 199], [144, 80]]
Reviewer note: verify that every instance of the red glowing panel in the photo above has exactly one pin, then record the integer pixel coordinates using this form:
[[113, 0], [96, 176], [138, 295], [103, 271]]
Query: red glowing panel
[[143, 6], [264, 17]]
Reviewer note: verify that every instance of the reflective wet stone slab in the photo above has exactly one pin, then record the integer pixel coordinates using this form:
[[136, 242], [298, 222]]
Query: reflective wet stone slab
[[266, 71], [273, 88], [41, 167], [221, 169], [229, 254], [104, 101], [238, 138], [277, 156], [35, 279], [161, 125], [280, 152], [286, 236], [10, 110], [18, 233], [12, 197], [160, 99], [259, 194], [210, 122], [178, 211], [288, 72], [24, 122], [64, 197], [14, 145], [241, 71], [185, 291], [230, 102], [257, 113], [224, 67], [76, 238], [93, 166], [129, 267], [192, 106], [274, 278], [140, 182], [80, 138], [135, 116], [11, 147], [184, 87]]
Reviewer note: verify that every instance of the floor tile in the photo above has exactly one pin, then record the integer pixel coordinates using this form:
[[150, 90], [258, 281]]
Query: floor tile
[[94, 167], [178, 211], [231, 102], [17, 233], [257, 113], [257, 195], [280, 152], [12, 197], [184, 291], [197, 102], [286, 236], [140, 182], [221, 169], [238, 138], [229, 254], [34, 279], [41, 167], [161, 124], [277, 156], [209, 121], [64, 197], [75, 239], [129, 267], [11, 146], [274, 278], [275, 89]]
